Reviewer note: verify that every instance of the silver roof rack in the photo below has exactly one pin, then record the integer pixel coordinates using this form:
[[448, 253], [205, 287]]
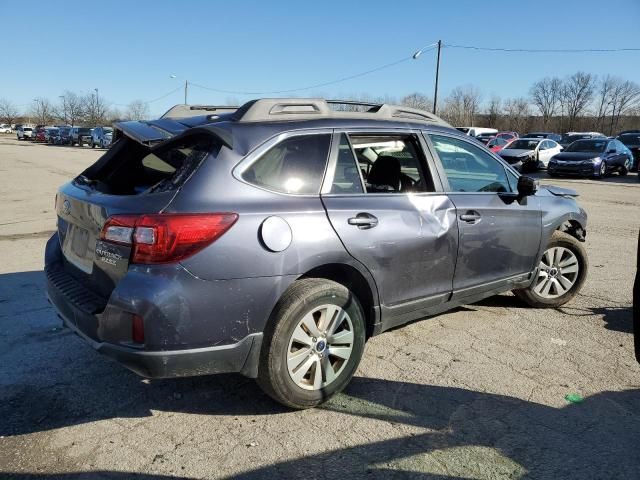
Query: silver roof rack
[[185, 111], [278, 109]]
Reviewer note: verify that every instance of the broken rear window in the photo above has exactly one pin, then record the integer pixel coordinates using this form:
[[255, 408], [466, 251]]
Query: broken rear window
[[131, 168]]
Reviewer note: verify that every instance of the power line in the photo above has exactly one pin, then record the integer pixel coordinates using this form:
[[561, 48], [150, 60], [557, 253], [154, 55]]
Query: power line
[[155, 99], [317, 85], [543, 50]]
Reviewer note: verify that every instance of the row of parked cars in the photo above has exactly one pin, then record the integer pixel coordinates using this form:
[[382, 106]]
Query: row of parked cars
[[574, 153], [67, 135]]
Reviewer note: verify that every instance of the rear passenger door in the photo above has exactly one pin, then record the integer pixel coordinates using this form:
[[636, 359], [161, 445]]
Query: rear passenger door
[[499, 235], [390, 214]]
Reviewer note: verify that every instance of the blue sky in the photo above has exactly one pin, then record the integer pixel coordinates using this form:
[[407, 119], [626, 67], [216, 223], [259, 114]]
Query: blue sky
[[129, 49]]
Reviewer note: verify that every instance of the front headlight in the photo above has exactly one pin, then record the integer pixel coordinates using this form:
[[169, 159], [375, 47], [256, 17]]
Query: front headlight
[[592, 161]]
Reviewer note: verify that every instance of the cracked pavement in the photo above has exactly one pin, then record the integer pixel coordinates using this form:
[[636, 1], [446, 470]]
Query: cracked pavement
[[476, 393]]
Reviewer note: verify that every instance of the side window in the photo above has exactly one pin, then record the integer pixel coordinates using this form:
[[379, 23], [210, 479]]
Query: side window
[[391, 163], [346, 178], [469, 168], [513, 180], [295, 165], [544, 145]]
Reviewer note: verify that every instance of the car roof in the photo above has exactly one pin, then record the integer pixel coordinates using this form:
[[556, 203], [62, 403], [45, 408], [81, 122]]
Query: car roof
[[302, 109]]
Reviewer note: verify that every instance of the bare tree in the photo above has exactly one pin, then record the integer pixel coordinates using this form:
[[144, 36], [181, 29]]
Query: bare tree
[[8, 111], [137, 110], [625, 97], [42, 110], [545, 95], [71, 109], [576, 95], [94, 109], [462, 106], [603, 100], [493, 111], [418, 100], [518, 114]]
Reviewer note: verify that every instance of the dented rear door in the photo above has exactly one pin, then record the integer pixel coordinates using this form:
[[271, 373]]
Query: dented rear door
[[409, 247]]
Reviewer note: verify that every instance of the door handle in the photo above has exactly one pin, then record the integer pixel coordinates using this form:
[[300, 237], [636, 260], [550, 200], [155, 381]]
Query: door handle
[[470, 216], [363, 221]]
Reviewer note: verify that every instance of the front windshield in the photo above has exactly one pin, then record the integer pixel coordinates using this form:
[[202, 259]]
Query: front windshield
[[524, 144], [108, 130], [587, 146]]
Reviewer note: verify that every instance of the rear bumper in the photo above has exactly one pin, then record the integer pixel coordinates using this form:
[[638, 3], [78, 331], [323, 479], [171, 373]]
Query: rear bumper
[[192, 327], [240, 357]]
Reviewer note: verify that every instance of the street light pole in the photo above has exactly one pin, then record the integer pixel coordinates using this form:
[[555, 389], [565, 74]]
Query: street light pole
[[64, 108], [435, 94], [186, 86]]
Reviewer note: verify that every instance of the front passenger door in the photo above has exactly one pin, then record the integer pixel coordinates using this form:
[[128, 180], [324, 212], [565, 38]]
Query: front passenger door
[[499, 235]]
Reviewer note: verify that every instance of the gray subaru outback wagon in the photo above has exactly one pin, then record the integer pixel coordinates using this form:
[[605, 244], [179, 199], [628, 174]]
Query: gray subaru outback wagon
[[274, 239]]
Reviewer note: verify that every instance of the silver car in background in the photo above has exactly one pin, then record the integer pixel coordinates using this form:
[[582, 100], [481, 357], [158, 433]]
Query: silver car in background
[[101, 137]]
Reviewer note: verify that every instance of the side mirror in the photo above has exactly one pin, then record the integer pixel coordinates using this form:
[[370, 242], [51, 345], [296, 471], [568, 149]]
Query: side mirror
[[527, 186]]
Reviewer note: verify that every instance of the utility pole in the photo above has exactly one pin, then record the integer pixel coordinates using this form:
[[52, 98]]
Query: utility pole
[[435, 94], [186, 85], [64, 107]]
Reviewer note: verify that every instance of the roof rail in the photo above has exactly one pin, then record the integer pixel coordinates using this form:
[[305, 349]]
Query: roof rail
[[276, 109], [184, 111]]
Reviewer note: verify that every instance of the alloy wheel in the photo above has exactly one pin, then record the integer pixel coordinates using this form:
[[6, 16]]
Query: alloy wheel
[[557, 273], [603, 169], [320, 347]]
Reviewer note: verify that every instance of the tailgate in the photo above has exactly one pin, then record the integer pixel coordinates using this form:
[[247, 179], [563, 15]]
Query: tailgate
[[81, 214]]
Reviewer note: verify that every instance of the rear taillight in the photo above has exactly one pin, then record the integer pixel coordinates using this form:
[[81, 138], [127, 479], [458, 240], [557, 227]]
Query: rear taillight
[[166, 238]]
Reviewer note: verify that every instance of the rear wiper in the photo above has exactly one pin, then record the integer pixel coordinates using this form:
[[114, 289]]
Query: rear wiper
[[81, 179]]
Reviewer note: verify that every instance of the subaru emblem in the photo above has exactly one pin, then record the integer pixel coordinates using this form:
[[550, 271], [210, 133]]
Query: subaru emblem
[[66, 207]]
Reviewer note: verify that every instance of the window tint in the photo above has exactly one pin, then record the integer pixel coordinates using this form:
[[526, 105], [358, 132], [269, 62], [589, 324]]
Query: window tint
[[346, 178], [469, 168], [295, 165], [391, 163]]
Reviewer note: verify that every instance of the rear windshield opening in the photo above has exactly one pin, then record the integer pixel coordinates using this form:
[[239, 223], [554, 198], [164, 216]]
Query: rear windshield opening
[[130, 168]]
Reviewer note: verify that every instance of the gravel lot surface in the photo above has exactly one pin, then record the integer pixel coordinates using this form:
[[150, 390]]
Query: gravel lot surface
[[477, 393]]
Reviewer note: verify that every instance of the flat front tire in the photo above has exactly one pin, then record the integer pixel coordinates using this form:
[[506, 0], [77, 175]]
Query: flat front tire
[[313, 343], [561, 273]]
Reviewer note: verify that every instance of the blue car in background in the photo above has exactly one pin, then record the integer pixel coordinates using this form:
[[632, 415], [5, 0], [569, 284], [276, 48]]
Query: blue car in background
[[595, 157]]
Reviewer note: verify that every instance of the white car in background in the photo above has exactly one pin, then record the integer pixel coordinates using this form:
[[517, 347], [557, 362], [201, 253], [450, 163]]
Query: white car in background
[[4, 128], [476, 131], [530, 154], [24, 132]]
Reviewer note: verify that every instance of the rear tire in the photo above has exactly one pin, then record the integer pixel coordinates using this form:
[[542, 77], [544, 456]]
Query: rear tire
[[561, 273], [313, 343]]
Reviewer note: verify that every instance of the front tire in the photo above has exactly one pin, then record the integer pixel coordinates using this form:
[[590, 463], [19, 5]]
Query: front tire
[[313, 343], [603, 169], [624, 169], [561, 273]]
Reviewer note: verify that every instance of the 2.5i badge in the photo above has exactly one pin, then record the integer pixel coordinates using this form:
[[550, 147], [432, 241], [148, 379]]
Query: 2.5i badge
[[113, 259]]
